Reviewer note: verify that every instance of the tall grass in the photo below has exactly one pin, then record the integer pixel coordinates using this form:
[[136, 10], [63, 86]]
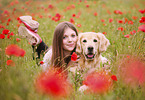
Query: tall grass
[[17, 83]]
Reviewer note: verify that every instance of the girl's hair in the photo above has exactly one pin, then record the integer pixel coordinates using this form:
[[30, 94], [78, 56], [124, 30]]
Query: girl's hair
[[58, 59]]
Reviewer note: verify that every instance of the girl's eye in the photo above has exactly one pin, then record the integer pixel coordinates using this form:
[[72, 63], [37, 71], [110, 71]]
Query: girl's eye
[[64, 37], [73, 35]]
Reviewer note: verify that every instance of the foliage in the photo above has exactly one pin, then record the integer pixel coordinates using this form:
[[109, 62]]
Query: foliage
[[117, 19]]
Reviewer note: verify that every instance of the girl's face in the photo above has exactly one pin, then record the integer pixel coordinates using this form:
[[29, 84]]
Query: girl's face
[[69, 39]]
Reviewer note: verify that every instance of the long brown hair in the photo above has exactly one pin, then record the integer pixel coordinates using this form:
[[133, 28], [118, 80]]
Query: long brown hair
[[58, 59]]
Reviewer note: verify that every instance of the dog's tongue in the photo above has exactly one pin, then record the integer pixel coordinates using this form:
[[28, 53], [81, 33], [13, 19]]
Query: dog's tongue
[[90, 56]]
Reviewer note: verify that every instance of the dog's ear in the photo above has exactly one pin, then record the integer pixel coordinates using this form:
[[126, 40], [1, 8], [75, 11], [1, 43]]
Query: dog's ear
[[104, 42], [78, 47]]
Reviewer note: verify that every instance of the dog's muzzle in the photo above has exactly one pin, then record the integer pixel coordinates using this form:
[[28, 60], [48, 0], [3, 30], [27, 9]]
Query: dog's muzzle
[[90, 55]]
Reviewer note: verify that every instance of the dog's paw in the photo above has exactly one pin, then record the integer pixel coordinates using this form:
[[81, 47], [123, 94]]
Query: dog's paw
[[83, 88]]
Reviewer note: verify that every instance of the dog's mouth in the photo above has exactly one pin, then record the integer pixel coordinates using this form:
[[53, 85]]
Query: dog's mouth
[[90, 56]]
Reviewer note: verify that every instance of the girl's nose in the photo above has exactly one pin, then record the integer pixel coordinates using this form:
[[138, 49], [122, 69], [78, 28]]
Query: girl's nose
[[69, 39]]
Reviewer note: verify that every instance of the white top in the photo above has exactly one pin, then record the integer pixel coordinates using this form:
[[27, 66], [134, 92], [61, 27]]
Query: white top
[[47, 59]]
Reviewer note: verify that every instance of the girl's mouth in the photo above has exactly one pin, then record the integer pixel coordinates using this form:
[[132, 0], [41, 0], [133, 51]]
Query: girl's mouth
[[70, 45]]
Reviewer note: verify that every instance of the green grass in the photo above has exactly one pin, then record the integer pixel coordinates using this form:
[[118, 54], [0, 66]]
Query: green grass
[[17, 83]]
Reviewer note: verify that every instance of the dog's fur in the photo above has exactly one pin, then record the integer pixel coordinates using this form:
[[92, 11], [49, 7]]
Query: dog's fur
[[90, 45]]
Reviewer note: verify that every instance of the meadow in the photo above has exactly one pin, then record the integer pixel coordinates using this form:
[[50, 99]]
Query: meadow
[[118, 20]]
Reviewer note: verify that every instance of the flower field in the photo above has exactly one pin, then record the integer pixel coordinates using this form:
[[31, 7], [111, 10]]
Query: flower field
[[121, 21]]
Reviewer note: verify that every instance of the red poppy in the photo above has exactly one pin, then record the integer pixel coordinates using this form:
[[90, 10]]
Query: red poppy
[[22, 7], [126, 20], [73, 15], [57, 19], [12, 34], [49, 16], [18, 18], [11, 3], [113, 77], [79, 25], [130, 22], [87, 6], [142, 11], [57, 15], [102, 20], [132, 71], [110, 20], [127, 36], [41, 62], [27, 3], [53, 83], [5, 31], [95, 14], [22, 53], [108, 11], [40, 16], [142, 20], [7, 23], [132, 32], [18, 25], [118, 12], [42, 7], [68, 8], [98, 82], [120, 28], [45, 9], [53, 18], [72, 20], [142, 28], [6, 12], [134, 17], [10, 63], [14, 50], [9, 20], [50, 6], [16, 1], [2, 36], [18, 39], [8, 36], [120, 21], [2, 26], [104, 24], [73, 6], [104, 33], [14, 9], [74, 56]]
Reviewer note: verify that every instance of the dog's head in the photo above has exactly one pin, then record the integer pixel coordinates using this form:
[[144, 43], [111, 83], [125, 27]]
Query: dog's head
[[91, 44]]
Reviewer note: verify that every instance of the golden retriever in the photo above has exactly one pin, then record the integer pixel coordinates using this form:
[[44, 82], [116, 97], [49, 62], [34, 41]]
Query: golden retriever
[[90, 45]]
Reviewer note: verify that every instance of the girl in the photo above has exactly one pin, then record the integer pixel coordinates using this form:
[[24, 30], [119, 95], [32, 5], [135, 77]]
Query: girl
[[63, 45]]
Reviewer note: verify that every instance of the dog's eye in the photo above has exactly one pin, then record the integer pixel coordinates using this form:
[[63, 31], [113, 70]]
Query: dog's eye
[[95, 40], [84, 41]]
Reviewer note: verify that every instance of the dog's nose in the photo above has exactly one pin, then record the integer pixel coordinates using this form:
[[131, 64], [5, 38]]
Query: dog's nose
[[90, 48]]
